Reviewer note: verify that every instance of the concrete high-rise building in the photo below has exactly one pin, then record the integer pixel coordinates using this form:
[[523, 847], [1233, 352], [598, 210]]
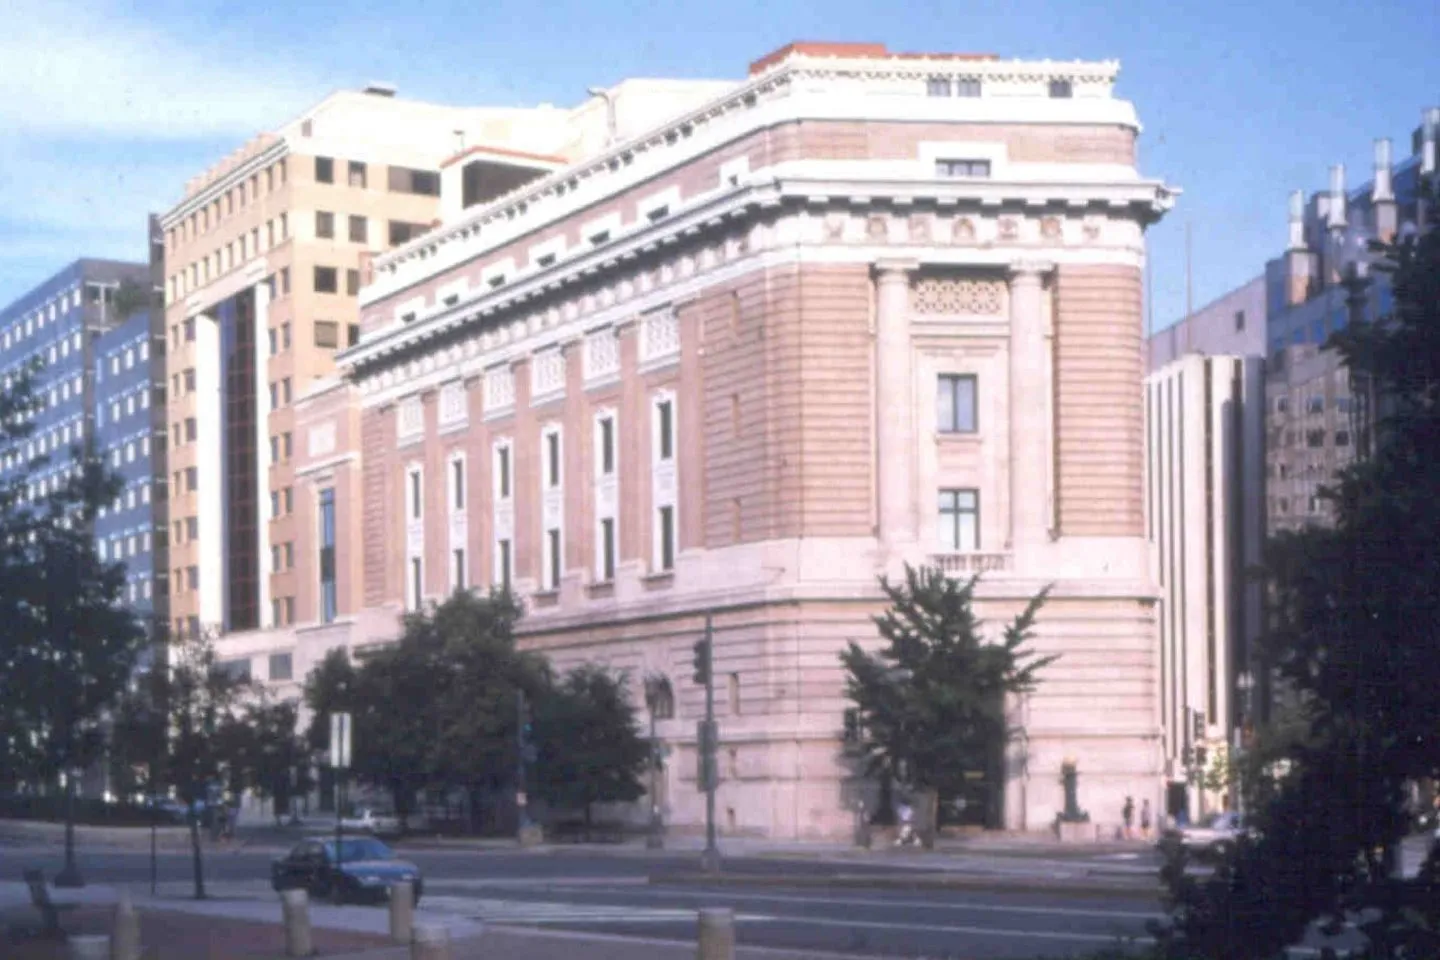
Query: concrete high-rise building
[[855, 310], [1205, 516], [1233, 324]]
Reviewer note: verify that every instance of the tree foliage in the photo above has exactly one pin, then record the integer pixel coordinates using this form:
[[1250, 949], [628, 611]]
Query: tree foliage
[[1357, 637], [264, 752], [69, 644], [590, 748], [931, 702]]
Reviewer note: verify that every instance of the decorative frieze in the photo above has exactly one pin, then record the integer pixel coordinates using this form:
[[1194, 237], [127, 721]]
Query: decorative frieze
[[410, 420], [957, 295], [499, 391], [602, 355], [452, 404], [547, 376], [660, 337]]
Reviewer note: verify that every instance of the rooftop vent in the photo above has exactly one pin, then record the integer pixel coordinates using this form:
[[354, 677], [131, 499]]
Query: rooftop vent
[[378, 89]]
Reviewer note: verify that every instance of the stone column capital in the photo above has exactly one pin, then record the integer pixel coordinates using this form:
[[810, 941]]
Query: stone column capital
[[1029, 271], [895, 270]]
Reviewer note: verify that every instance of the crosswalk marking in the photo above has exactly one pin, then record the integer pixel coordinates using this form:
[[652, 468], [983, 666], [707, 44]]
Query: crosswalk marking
[[534, 912]]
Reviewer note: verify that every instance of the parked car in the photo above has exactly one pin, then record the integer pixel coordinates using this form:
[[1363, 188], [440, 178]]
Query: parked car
[[365, 869], [1214, 836], [380, 824]]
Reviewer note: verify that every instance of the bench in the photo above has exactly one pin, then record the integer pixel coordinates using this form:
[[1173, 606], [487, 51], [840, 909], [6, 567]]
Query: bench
[[40, 898]]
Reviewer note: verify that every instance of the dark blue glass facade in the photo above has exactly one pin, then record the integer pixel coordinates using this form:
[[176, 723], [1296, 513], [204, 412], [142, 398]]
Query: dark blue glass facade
[[64, 324], [129, 419]]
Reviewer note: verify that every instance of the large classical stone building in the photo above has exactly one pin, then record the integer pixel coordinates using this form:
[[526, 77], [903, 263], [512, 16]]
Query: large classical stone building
[[857, 310]]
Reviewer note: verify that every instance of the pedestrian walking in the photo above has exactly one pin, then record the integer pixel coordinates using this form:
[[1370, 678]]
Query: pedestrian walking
[[1127, 813], [1145, 819]]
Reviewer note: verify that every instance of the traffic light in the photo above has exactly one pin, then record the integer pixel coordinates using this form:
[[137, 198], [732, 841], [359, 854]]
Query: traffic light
[[702, 663]]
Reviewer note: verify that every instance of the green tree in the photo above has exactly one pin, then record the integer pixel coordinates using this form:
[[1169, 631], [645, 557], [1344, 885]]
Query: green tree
[[200, 698], [930, 704], [70, 645], [589, 744], [278, 766], [1357, 638]]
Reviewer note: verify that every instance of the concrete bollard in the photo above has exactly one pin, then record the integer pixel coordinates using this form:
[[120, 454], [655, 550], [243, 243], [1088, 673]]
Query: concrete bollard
[[295, 910], [430, 942], [402, 911], [717, 935], [125, 931], [90, 948]]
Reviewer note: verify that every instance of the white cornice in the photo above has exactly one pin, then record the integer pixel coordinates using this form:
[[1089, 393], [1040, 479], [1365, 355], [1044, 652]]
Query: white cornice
[[218, 186], [1143, 200], [766, 100]]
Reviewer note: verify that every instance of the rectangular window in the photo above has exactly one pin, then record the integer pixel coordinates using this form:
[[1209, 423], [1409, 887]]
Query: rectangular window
[[1061, 90], [417, 497], [324, 170], [502, 564], [607, 550], [328, 593], [955, 403], [324, 225], [281, 667], [358, 229], [665, 427], [457, 484], [552, 459], [327, 280], [405, 180], [327, 334], [973, 169], [552, 568], [357, 174], [352, 334], [607, 446], [937, 87], [402, 232], [417, 587], [1239, 320], [967, 87], [352, 283], [666, 517], [959, 527], [502, 471]]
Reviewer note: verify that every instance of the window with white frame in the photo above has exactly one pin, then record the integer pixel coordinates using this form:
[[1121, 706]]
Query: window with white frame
[[503, 478], [958, 530], [415, 494], [457, 483], [551, 580], [457, 569], [503, 563], [663, 482], [554, 468], [415, 586], [606, 496]]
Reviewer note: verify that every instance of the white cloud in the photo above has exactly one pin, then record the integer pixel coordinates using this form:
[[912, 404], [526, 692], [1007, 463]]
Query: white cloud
[[99, 72]]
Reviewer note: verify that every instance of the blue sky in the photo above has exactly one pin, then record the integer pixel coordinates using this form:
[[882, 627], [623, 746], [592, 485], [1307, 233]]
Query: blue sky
[[106, 107]]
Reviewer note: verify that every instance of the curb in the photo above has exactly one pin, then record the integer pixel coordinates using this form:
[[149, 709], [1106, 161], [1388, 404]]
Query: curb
[[1091, 886]]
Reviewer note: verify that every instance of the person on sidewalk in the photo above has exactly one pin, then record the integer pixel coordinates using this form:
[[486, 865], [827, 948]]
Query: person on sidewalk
[[1145, 818], [1127, 814], [906, 836]]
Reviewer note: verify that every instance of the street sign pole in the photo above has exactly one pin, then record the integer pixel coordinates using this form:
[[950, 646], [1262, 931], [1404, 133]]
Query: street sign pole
[[710, 859], [339, 761]]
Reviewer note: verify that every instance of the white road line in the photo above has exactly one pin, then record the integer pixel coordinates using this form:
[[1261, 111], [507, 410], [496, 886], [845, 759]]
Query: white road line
[[923, 905]]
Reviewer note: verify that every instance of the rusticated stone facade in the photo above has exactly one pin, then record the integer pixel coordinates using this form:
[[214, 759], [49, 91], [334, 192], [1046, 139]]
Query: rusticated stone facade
[[703, 373]]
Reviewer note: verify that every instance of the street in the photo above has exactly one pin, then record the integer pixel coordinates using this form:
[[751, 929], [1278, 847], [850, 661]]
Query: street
[[778, 903]]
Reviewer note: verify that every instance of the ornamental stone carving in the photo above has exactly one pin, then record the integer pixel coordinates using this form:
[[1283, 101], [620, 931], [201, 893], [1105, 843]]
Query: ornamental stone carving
[[919, 228], [877, 226], [835, 226], [964, 230], [1050, 228], [1009, 228], [956, 295]]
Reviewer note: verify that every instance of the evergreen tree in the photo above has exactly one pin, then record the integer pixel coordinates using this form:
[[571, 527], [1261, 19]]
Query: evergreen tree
[[930, 705], [590, 747], [1357, 637]]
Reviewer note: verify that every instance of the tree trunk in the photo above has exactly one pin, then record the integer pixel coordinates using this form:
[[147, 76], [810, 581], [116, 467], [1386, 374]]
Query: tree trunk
[[195, 854], [69, 875]]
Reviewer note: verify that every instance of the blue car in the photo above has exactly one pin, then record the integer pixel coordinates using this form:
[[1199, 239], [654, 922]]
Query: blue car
[[365, 869]]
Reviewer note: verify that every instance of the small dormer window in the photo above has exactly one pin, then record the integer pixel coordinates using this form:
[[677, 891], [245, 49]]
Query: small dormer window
[[599, 238], [451, 300], [963, 169], [548, 260], [1061, 90], [658, 214], [497, 280], [407, 317]]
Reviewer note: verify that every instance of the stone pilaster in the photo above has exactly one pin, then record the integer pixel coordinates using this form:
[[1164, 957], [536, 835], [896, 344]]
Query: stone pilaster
[[895, 395], [1030, 409]]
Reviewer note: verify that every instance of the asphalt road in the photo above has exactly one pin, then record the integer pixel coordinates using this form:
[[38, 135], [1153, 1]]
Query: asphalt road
[[597, 892]]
